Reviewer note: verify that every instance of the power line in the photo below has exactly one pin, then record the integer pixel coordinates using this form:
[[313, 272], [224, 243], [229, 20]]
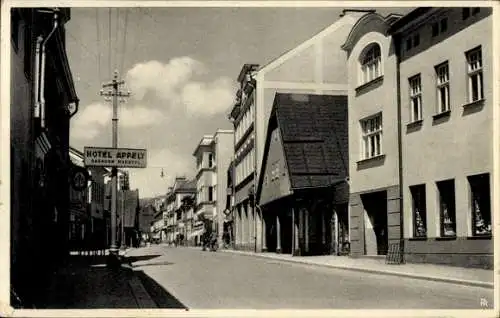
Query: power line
[[97, 26], [124, 41], [109, 41], [116, 39]]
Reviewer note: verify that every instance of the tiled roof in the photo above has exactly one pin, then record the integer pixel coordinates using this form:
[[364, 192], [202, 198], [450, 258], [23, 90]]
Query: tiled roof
[[313, 132]]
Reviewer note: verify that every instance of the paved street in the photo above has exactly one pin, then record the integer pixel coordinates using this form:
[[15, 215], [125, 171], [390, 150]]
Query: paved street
[[194, 279]]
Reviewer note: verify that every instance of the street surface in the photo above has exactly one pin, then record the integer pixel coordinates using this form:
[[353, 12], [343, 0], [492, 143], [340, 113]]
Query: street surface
[[191, 278]]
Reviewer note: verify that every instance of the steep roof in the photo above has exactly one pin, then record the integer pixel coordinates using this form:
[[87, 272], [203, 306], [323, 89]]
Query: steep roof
[[311, 139]]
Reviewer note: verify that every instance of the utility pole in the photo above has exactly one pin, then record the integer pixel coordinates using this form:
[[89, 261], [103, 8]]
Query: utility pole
[[114, 93]]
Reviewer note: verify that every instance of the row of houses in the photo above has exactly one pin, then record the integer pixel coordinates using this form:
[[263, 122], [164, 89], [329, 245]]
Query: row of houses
[[372, 136]]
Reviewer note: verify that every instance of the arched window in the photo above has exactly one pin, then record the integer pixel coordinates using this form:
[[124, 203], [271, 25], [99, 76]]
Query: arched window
[[371, 63]]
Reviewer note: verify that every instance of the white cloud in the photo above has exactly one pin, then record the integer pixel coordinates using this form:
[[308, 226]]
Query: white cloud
[[208, 99], [162, 79], [175, 84], [91, 120]]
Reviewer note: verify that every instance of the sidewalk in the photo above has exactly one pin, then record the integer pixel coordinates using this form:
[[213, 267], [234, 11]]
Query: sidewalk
[[87, 283], [442, 273]]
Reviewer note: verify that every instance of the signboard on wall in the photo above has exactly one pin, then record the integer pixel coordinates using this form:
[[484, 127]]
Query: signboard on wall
[[115, 157]]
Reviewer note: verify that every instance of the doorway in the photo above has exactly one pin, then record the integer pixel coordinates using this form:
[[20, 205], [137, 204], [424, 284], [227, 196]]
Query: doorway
[[375, 222]]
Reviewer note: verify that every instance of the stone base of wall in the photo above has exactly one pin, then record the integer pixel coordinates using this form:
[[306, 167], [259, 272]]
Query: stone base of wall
[[458, 260]]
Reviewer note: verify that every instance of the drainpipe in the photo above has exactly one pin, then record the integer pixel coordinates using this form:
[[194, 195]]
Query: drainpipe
[[400, 149], [39, 40], [42, 75]]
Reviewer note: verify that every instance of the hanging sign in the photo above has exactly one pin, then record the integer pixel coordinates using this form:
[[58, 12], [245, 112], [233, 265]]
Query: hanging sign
[[115, 157], [79, 178]]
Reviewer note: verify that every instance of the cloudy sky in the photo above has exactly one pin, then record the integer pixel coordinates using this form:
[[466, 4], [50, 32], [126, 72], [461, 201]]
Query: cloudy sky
[[180, 64]]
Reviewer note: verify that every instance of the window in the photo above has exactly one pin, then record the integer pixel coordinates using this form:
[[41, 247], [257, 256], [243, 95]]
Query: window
[[416, 40], [415, 98], [443, 87], [480, 204], [408, 43], [419, 210], [372, 136], [210, 160], [439, 27], [210, 194], [465, 13], [435, 29], [446, 191], [444, 25], [475, 74], [475, 10], [412, 41], [371, 64]]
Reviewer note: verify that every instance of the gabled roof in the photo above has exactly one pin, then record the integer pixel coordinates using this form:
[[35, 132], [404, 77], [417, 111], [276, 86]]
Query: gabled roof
[[310, 139]]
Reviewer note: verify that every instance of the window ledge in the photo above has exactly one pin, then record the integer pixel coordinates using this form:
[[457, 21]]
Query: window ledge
[[417, 239], [442, 115], [446, 238], [474, 103], [376, 158], [480, 237], [370, 83], [415, 123]]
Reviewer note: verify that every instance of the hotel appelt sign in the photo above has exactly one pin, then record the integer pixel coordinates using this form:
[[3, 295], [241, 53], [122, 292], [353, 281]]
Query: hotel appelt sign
[[115, 157]]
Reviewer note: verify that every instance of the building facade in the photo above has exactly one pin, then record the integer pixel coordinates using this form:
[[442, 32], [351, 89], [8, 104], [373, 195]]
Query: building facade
[[303, 189], [374, 207], [178, 218], [43, 100], [446, 118], [213, 156]]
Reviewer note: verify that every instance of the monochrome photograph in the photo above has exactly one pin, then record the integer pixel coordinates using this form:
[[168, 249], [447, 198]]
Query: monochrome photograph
[[197, 156]]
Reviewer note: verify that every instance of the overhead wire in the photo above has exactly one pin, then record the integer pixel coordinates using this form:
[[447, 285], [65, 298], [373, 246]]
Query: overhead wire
[[98, 40], [116, 48], [124, 48], [109, 42]]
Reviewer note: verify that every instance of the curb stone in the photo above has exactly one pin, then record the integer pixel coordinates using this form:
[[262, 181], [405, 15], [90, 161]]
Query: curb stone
[[374, 271]]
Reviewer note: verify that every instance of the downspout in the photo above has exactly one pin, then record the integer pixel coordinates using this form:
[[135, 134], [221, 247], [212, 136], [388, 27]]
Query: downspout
[[39, 40], [42, 75], [400, 150]]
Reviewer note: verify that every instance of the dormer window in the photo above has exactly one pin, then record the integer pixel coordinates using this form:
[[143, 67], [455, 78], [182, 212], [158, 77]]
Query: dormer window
[[371, 64]]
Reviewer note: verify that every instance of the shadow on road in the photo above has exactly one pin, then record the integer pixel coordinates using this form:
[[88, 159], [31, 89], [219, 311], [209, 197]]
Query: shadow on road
[[160, 296], [133, 259]]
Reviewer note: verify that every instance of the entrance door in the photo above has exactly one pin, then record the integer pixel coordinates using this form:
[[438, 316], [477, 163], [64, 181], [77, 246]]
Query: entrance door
[[375, 207]]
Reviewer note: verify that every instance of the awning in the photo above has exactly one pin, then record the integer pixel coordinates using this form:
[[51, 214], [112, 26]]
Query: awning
[[195, 233]]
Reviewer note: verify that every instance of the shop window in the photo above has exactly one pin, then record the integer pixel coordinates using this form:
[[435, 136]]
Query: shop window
[[480, 208], [446, 191], [419, 210], [475, 75]]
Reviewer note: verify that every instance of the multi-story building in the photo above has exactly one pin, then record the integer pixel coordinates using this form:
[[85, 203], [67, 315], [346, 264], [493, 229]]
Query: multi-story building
[[446, 101], [158, 232], [213, 156], [43, 100], [373, 136], [175, 214], [317, 66]]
